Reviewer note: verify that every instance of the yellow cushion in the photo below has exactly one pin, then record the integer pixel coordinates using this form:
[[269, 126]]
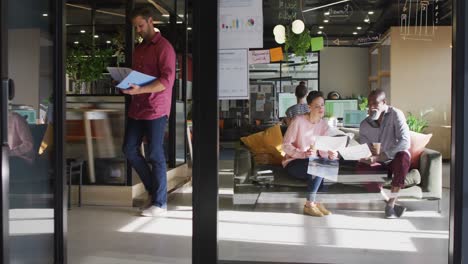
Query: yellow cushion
[[266, 145]]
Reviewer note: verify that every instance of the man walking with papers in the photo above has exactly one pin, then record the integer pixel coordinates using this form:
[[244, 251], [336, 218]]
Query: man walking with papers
[[387, 134], [149, 110]]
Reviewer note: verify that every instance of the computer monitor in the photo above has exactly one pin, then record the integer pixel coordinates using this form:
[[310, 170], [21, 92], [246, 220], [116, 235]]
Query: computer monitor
[[336, 108], [353, 118], [285, 100]]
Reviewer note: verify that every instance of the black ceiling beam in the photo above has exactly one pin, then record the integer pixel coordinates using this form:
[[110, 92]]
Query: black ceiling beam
[[99, 6], [99, 25], [100, 3], [168, 8]]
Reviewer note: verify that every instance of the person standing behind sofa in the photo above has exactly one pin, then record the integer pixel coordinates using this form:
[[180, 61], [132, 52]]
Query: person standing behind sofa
[[149, 110], [386, 126], [297, 143], [301, 108]]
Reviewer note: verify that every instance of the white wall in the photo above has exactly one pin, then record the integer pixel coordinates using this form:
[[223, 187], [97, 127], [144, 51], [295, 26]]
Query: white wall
[[23, 65], [345, 70], [421, 76]]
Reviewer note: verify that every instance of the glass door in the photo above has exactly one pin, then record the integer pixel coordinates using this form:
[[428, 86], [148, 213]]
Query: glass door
[[31, 68]]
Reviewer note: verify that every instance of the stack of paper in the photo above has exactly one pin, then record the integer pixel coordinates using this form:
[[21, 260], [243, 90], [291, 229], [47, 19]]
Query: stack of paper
[[330, 143], [355, 152], [119, 73], [127, 76], [325, 168]]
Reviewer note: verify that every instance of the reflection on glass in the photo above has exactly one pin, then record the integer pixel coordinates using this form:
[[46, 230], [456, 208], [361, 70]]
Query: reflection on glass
[[20, 139], [181, 150], [95, 36], [95, 130], [30, 63]]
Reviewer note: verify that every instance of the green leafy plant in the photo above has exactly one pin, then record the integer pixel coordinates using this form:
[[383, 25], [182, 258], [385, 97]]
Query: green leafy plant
[[74, 64], [86, 62], [363, 103], [415, 123], [299, 44], [119, 47]]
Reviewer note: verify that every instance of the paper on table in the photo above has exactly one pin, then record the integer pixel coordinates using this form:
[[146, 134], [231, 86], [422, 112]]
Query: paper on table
[[355, 152], [137, 78], [119, 73], [330, 143]]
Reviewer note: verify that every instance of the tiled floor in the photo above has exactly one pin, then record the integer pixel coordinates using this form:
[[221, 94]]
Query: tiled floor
[[267, 232]]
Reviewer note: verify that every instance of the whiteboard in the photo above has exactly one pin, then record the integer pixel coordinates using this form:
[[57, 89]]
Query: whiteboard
[[233, 74], [240, 24]]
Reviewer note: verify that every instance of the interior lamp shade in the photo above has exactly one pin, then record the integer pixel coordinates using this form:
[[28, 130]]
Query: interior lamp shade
[[298, 26], [280, 38], [279, 30]]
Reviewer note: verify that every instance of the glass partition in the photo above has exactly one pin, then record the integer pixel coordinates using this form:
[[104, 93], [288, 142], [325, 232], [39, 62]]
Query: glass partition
[[30, 168], [294, 194]]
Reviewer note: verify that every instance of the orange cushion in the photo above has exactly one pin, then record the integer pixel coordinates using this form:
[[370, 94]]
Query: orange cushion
[[418, 143], [266, 145]]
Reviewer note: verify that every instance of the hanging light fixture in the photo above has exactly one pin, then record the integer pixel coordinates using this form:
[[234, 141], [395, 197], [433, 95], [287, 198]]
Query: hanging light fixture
[[280, 34], [298, 26], [279, 29], [280, 38], [367, 19]]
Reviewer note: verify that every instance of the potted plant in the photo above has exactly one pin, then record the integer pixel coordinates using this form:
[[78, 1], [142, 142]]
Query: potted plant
[[362, 103], [85, 64], [415, 123], [299, 44]]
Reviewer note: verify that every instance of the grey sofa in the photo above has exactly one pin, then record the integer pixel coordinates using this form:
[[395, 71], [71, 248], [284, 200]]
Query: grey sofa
[[251, 179]]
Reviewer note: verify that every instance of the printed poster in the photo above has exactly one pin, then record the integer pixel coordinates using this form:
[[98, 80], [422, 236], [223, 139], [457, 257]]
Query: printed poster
[[240, 24], [233, 74]]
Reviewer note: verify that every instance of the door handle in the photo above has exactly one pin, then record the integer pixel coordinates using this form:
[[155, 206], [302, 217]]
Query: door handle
[[7, 93]]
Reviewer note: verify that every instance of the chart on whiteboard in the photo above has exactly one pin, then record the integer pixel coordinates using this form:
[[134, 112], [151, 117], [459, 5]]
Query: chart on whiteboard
[[240, 24], [233, 74]]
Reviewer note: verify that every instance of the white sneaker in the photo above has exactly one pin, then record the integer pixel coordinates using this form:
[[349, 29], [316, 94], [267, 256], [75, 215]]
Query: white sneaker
[[154, 211], [147, 203]]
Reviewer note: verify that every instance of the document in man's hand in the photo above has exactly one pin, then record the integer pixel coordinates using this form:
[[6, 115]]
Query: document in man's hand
[[330, 143], [355, 152], [119, 73], [137, 78]]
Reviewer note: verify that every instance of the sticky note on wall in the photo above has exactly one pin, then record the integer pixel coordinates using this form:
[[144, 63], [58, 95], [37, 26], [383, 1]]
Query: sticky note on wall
[[316, 43], [276, 54]]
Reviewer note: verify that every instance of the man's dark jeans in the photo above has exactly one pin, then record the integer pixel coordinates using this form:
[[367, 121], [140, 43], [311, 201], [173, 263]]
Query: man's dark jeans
[[154, 178]]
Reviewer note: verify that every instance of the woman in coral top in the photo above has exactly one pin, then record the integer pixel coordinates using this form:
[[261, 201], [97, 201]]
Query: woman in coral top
[[298, 145]]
